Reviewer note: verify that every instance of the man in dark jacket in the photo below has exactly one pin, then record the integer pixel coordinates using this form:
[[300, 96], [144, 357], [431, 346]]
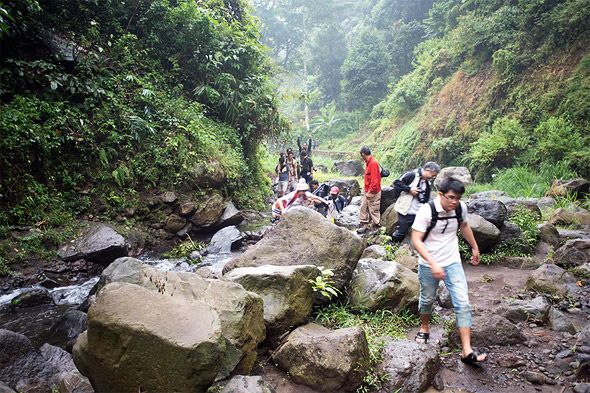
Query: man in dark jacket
[[306, 166], [414, 188], [306, 146]]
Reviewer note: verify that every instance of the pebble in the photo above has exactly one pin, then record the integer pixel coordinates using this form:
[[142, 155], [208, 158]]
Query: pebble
[[546, 351], [535, 377], [532, 325]]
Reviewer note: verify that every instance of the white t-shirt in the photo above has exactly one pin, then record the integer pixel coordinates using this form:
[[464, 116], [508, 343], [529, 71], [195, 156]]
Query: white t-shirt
[[444, 247]]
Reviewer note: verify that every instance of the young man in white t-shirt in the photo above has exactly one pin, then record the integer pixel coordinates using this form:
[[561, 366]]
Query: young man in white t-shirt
[[438, 247]]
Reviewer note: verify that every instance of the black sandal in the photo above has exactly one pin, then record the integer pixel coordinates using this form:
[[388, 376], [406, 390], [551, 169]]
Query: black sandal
[[422, 337], [471, 359]]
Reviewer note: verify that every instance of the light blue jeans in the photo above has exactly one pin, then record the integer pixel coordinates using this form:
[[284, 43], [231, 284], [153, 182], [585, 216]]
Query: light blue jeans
[[456, 284]]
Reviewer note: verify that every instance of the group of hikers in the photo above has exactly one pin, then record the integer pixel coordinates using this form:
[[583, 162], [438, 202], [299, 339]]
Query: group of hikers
[[434, 222]]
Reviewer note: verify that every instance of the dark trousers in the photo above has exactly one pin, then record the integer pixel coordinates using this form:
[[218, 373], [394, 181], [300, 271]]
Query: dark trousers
[[402, 227]]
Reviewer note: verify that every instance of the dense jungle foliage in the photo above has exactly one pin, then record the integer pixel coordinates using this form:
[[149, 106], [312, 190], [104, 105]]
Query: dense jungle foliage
[[487, 84], [102, 100]]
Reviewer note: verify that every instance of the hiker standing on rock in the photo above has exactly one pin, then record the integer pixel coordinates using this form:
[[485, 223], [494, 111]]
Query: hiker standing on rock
[[434, 237], [414, 191], [370, 214], [307, 147]]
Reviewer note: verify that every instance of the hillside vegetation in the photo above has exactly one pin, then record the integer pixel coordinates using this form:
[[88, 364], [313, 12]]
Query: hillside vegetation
[[103, 100], [488, 84]]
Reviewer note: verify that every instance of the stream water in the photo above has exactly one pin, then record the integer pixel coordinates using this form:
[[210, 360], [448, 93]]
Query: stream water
[[36, 322]]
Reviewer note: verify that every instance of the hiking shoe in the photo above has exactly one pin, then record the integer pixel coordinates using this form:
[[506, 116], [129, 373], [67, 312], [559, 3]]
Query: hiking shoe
[[361, 231]]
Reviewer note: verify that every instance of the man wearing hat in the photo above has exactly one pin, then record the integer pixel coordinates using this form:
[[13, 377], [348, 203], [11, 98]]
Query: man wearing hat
[[300, 197]]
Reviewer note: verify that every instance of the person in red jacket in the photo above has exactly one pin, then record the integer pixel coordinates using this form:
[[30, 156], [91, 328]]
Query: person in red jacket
[[370, 214]]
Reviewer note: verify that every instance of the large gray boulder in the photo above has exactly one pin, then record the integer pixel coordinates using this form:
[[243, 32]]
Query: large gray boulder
[[573, 253], [349, 218], [458, 172], [374, 251], [535, 310], [140, 339], [549, 234], [305, 237], [408, 366], [387, 198], [285, 290], [389, 219], [349, 168], [325, 360], [492, 210], [574, 218], [511, 233], [231, 216], [240, 312], [224, 239], [24, 368], [99, 243], [561, 188], [378, 284], [493, 329], [551, 279], [486, 234], [66, 330], [208, 210]]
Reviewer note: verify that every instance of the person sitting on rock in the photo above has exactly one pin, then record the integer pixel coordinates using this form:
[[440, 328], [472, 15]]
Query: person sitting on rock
[[336, 203], [300, 197], [434, 236]]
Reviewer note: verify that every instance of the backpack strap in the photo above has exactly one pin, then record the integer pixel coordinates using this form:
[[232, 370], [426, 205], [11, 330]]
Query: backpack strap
[[433, 220], [458, 216]]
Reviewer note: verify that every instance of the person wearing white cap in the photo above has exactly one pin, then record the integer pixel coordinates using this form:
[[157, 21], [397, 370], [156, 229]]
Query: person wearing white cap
[[300, 197]]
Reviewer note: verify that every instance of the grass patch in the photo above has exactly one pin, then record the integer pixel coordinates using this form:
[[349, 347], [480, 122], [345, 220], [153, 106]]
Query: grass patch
[[376, 325], [184, 249]]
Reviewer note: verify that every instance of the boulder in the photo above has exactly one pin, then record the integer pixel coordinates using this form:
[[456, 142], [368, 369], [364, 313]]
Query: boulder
[[387, 198], [493, 211], [66, 330], [573, 253], [535, 310], [486, 234], [511, 233], [285, 290], [349, 218], [168, 197], [517, 205], [325, 360], [208, 174], [136, 341], [571, 234], [356, 201], [243, 384], [174, 223], [582, 270], [493, 329], [305, 237], [458, 172], [349, 168], [560, 322], [240, 312], [231, 216], [99, 243], [562, 188], [378, 284], [374, 252], [27, 369], [209, 210], [564, 217], [545, 203], [31, 297], [389, 219], [186, 208], [551, 279], [408, 366], [350, 188], [549, 234], [224, 240], [491, 194]]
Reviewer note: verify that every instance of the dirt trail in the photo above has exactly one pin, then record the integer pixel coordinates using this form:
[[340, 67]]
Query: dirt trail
[[507, 365]]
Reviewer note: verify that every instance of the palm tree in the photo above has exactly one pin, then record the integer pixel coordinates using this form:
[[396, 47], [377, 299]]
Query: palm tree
[[326, 121]]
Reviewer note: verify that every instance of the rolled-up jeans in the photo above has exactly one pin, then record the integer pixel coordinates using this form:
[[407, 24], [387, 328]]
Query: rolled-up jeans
[[456, 284]]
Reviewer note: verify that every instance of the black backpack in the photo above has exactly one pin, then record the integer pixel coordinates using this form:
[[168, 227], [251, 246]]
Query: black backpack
[[384, 171], [458, 215]]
